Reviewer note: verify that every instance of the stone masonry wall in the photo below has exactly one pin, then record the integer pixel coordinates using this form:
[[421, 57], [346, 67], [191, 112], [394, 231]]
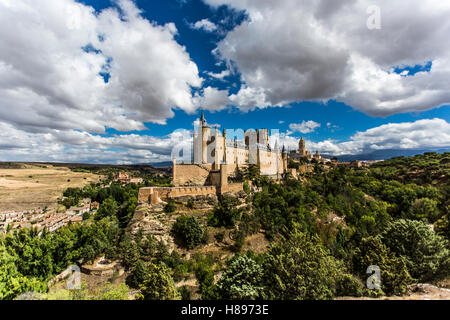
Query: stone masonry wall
[[153, 194], [191, 174]]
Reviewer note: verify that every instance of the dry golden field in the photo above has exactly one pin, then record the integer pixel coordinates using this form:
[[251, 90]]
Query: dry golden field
[[33, 187]]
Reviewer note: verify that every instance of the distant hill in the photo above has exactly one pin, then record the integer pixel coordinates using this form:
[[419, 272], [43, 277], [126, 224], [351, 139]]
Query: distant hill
[[163, 164], [385, 154]]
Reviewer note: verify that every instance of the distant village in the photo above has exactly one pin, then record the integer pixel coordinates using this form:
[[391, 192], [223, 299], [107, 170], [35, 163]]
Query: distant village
[[50, 219]]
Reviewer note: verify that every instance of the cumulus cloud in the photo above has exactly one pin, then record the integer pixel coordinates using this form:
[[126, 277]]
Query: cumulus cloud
[[212, 99], [421, 134], [304, 127], [318, 50], [75, 146], [426, 133], [52, 67], [67, 73], [204, 25], [220, 75]]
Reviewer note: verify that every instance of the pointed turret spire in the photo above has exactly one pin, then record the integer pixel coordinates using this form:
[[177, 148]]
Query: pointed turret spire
[[202, 120]]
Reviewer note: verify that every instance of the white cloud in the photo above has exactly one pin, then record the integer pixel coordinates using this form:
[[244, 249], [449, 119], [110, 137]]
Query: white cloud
[[220, 75], [421, 134], [48, 81], [212, 99], [318, 50], [205, 25], [304, 127], [75, 146]]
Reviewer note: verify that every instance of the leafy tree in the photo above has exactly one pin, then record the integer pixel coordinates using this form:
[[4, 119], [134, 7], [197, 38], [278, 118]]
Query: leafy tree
[[138, 275], [300, 268], [170, 207], [425, 253], [129, 252], [424, 210], [226, 213], [12, 282], [107, 209], [242, 280], [394, 274], [187, 231], [205, 277], [159, 285]]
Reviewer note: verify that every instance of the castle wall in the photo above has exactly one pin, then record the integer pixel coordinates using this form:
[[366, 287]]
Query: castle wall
[[164, 193], [191, 174], [232, 187]]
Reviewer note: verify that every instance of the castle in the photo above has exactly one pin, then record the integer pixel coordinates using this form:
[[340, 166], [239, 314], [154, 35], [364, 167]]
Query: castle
[[219, 158], [212, 147]]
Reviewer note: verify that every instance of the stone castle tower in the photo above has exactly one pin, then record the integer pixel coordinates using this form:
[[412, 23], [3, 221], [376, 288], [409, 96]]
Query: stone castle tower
[[302, 148]]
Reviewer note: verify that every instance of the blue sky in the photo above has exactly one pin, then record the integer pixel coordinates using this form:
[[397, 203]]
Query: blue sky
[[148, 68], [200, 46]]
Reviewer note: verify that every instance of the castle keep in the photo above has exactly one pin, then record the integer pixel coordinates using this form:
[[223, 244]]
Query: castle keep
[[215, 152], [217, 159]]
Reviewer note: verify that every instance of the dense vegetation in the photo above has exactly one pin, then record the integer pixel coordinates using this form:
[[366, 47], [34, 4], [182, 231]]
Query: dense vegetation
[[325, 229]]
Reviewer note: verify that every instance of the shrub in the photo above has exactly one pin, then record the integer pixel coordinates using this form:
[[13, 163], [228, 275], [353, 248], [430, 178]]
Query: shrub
[[348, 285], [185, 293], [170, 207], [187, 231], [299, 268], [242, 280], [425, 253], [225, 214], [394, 274], [220, 236], [159, 285]]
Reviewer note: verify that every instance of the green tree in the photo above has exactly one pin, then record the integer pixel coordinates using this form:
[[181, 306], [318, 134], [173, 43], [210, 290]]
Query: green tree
[[12, 282], [226, 213], [159, 285], [425, 253], [242, 280], [138, 275], [107, 209], [170, 207], [300, 268], [187, 231], [394, 274]]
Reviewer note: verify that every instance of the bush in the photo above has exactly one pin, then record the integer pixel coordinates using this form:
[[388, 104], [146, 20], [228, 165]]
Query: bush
[[242, 280], [299, 268], [394, 274], [225, 214], [159, 285], [138, 275], [170, 207], [220, 236], [349, 285], [425, 253], [185, 293], [187, 231]]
